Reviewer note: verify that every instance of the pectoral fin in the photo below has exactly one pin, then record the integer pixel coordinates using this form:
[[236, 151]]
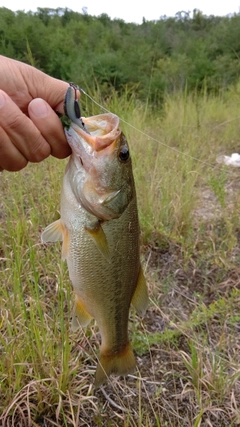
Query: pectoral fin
[[80, 315], [57, 232], [97, 234], [140, 296], [53, 232]]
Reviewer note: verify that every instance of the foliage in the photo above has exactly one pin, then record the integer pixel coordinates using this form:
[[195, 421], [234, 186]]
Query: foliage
[[156, 57], [188, 344]]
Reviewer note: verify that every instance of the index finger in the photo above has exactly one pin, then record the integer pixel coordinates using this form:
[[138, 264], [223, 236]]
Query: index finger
[[21, 131], [23, 83]]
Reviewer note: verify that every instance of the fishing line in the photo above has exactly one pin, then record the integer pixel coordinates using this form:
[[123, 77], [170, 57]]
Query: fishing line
[[152, 138]]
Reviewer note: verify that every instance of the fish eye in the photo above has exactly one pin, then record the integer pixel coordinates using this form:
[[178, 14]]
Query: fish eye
[[123, 154]]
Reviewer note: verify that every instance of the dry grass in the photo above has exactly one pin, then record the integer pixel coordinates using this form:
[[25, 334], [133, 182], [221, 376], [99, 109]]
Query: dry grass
[[188, 344]]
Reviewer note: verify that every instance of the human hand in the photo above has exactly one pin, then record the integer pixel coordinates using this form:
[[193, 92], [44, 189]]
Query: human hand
[[29, 127]]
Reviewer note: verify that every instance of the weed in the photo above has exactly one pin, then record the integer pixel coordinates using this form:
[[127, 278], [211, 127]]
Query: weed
[[187, 347]]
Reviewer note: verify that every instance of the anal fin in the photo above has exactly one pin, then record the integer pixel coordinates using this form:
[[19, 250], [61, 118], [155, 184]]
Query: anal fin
[[80, 316], [140, 296]]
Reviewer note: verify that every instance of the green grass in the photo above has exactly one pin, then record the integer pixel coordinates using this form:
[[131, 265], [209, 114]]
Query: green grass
[[188, 343]]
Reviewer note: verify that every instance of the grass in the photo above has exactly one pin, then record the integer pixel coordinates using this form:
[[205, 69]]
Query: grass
[[188, 344]]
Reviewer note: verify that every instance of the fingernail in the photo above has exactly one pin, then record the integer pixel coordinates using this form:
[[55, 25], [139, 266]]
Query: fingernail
[[39, 107], [2, 99]]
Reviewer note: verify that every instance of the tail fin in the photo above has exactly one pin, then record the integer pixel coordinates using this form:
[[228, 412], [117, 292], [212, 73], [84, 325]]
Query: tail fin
[[122, 363]]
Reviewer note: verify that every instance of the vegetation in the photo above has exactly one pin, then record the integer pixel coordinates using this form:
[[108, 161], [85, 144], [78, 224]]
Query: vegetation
[[188, 344], [166, 55]]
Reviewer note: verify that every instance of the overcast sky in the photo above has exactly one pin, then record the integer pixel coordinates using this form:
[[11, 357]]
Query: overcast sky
[[130, 11]]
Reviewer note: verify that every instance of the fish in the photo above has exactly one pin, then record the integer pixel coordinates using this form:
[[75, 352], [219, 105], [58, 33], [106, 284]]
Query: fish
[[99, 230]]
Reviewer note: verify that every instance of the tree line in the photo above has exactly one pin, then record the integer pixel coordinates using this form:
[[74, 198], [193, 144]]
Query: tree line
[[185, 52]]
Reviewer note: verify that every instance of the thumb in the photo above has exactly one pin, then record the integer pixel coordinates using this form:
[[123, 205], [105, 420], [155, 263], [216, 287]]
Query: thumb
[[49, 125], [56, 92], [53, 92]]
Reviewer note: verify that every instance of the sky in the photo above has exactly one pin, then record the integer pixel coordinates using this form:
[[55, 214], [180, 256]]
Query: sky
[[129, 11]]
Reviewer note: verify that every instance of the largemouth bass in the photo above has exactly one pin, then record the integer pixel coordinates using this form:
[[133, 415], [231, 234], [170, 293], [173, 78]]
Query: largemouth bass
[[99, 229]]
